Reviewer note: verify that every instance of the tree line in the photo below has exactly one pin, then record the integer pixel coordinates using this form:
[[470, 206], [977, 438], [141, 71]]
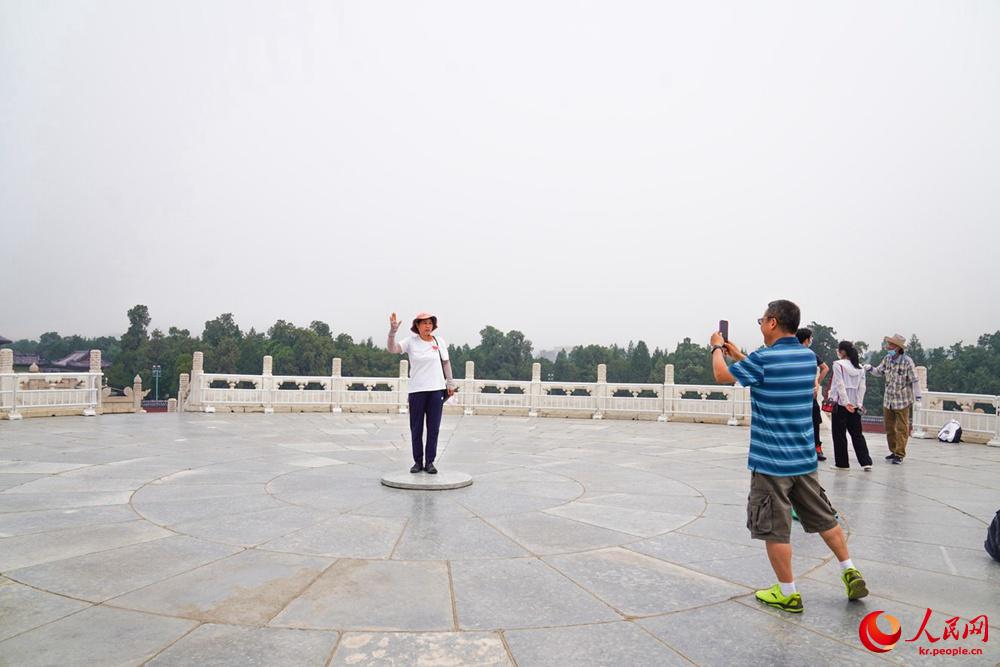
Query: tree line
[[298, 350]]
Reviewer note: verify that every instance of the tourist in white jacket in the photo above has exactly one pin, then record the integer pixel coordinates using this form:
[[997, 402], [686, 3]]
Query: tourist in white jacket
[[847, 391]]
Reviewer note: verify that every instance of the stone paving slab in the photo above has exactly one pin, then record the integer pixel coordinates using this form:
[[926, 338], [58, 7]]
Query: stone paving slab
[[611, 644], [170, 512], [638, 585], [24, 550], [221, 645], [34, 502], [640, 523], [250, 529], [95, 636], [26, 523], [684, 549], [23, 608], [430, 539], [526, 592], [955, 594], [580, 543], [542, 533], [750, 570], [9, 481], [829, 613], [375, 595], [732, 633], [101, 576], [428, 649], [248, 588], [344, 536]]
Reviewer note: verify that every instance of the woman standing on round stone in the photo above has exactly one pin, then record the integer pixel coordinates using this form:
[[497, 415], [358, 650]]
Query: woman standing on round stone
[[430, 382]]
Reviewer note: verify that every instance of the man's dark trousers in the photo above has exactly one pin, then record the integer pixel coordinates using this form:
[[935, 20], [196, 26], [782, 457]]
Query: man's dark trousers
[[425, 405]]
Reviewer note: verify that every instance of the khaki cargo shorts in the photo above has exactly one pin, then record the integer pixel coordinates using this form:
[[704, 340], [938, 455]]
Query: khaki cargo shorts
[[769, 507]]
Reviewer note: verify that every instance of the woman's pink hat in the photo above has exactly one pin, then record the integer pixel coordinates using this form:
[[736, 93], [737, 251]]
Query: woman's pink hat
[[423, 315]]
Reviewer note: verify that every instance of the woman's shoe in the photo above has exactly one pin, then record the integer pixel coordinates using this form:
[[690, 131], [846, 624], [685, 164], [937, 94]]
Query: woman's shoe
[[868, 468], [839, 468], [819, 453]]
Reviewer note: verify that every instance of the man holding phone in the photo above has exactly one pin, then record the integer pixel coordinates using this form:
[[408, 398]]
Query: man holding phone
[[782, 457]]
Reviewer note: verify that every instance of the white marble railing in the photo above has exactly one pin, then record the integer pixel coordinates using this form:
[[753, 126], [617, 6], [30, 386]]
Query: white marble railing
[[49, 393], [972, 411], [39, 394], [664, 402], [203, 391], [20, 392]]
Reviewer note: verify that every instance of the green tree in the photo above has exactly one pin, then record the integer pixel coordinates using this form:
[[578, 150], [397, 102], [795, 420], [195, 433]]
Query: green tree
[[692, 363], [640, 363], [134, 357]]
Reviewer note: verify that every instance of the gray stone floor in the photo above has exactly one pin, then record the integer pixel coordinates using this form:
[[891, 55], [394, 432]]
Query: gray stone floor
[[268, 540]]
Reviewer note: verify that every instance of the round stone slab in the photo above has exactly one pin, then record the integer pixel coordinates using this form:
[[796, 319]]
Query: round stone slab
[[444, 480]]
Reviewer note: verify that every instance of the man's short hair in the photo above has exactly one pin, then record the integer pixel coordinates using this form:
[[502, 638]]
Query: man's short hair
[[804, 334], [787, 314]]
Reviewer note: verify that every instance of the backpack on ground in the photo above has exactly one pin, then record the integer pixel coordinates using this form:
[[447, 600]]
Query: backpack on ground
[[993, 538], [951, 432]]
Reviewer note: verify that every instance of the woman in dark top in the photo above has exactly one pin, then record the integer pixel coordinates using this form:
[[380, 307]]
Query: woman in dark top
[[805, 337]]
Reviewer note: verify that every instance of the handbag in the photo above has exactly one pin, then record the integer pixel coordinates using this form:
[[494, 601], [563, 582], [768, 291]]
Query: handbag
[[829, 404], [441, 357]]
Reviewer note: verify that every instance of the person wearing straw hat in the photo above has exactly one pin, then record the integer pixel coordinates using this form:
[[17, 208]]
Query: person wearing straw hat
[[902, 389], [430, 384]]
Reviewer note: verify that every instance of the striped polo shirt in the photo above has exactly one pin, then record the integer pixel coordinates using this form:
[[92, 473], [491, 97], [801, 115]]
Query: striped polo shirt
[[781, 380]]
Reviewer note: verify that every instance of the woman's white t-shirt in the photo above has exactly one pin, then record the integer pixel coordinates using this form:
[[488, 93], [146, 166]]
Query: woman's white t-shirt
[[848, 386], [426, 373]]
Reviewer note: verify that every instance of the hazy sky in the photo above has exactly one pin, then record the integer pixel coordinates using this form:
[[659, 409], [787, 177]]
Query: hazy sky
[[581, 171]]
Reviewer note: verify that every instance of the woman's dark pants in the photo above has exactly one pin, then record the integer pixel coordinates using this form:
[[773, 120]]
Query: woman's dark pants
[[817, 422], [845, 422], [425, 405]]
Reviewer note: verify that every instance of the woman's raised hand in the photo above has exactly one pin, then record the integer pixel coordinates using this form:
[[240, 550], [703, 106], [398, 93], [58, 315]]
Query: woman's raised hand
[[393, 322]]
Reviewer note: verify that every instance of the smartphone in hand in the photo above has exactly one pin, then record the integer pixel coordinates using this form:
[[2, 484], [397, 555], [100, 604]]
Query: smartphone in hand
[[724, 329]]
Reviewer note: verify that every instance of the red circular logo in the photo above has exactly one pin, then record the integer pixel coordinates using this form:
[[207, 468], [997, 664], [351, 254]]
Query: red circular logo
[[874, 639]]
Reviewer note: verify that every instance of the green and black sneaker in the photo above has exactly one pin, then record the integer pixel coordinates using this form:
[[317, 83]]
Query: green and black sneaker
[[773, 597], [854, 583]]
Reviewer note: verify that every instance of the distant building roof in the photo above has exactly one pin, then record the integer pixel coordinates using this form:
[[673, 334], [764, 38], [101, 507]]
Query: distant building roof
[[4, 341], [28, 358], [79, 360]]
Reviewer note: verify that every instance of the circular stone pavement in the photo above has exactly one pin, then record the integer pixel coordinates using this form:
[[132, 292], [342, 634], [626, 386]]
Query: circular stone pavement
[[443, 480], [189, 539]]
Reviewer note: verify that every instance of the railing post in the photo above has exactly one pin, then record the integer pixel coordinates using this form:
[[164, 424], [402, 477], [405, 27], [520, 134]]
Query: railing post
[[403, 400], [469, 388], [195, 396], [94, 385], [734, 399], [667, 394], [267, 385], [137, 395], [535, 390], [336, 385], [601, 390], [183, 389], [919, 416], [995, 440], [8, 384]]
